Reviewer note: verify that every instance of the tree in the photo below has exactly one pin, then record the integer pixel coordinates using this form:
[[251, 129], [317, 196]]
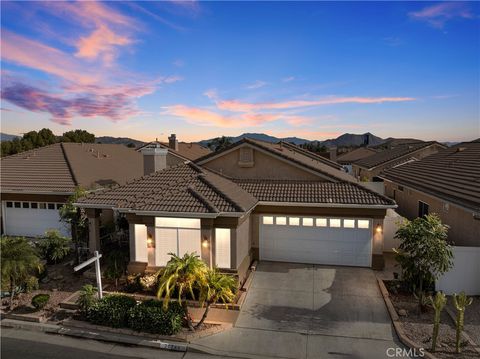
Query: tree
[[217, 287], [181, 275], [116, 265], [423, 253], [78, 136], [19, 263], [75, 217], [219, 143], [54, 247]]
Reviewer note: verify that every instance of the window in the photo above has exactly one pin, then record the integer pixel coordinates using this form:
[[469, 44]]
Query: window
[[177, 222], [422, 209], [307, 222], [17, 204], [363, 223], [51, 206], [222, 247], [42, 205], [321, 222], [25, 205], [335, 222], [267, 220], [281, 221], [59, 205], [9, 204], [34, 205], [348, 223], [294, 221]]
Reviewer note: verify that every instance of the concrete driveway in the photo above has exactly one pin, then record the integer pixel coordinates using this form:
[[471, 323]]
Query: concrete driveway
[[309, 311]]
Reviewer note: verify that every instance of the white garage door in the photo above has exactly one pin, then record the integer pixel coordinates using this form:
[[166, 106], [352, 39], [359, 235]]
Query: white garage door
[[31, 219], [335, 241]]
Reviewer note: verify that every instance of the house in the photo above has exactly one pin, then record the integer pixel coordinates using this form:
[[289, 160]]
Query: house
[[368, 168], [179, 152], [346, 159], [36, 183], [446, 183], [252, 200]]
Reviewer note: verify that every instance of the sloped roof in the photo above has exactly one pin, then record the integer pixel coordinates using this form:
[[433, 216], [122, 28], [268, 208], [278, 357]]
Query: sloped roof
[[295, 191], [61, 167], [452, 174], [399, 153], [184, 188], [355, 155], [292, 153], [187, 150]]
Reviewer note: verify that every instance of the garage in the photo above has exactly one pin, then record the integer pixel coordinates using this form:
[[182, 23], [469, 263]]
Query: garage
[[32, 219], [316, 240]]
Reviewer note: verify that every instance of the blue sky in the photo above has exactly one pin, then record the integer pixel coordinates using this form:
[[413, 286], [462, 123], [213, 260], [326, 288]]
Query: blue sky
[[204, 69]]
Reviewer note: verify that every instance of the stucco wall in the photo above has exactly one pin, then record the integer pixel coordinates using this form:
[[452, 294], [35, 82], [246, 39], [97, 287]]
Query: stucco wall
[[464, 229], [264, 166], [243, 241]]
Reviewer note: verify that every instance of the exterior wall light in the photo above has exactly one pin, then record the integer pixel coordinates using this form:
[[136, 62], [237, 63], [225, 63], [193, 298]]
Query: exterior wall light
[[205, 243], [378, 229], [150, 241]]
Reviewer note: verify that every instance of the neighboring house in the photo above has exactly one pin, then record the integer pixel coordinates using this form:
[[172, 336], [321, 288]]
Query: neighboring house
[[446, 183], [179, 152], [36, 183], [253, 200], [357, 154], [368, 169]]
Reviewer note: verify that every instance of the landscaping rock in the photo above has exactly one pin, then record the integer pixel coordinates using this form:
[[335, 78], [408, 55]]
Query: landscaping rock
[[402, 313]]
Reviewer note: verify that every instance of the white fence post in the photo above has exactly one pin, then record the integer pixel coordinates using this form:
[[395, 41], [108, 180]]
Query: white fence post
[[98, 274]]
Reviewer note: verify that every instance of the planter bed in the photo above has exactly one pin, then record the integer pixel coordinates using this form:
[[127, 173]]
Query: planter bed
[[418, 328]]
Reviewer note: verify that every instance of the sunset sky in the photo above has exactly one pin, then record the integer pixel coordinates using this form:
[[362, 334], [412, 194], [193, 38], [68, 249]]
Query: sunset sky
[[205, 69]]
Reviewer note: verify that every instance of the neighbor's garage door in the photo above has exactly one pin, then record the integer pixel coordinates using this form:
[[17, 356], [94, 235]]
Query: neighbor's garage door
[[336, 241], [31, 219]]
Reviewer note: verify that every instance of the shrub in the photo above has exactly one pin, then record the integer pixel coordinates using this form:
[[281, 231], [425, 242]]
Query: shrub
[[111, 311], [151, 317], [87, 298], [116, 266], [54, 247], [40, 301]]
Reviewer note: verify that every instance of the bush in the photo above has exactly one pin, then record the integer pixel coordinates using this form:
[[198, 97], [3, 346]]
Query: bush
[[87, 298], [150, 317], [54, 247], [40, 301], [111, 311]]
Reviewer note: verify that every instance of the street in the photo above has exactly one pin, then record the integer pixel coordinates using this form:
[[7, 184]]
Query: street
[[21, 344]]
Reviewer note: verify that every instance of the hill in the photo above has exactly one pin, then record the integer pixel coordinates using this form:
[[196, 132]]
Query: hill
[[119, 141], [7, 137], [261, 137], [353, 140]]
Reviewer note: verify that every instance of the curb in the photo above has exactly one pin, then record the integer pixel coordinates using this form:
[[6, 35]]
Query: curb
[[398, 325]]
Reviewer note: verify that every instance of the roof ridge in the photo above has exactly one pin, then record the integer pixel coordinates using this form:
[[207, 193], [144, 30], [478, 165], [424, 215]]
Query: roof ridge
[[221, 193], [69, 165], [310, 153], [210, 206]]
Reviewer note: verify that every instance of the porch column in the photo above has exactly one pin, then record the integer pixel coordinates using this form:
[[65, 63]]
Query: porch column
[[207, 243], [378, 262], [93, 216]]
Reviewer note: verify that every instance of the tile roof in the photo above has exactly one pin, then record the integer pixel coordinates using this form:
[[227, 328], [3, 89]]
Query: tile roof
[[188, 150], [292, 153], [61, 167], [313, 192], [452, 174], [184, 188], [400, 153], [355, 155]]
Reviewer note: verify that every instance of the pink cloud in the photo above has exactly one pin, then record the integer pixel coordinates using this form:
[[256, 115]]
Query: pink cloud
[[238, 106], [437, 15]]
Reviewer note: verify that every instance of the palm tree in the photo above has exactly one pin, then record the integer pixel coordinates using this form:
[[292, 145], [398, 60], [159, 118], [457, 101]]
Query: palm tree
[[182, 274], [19, 262], [217, 287]]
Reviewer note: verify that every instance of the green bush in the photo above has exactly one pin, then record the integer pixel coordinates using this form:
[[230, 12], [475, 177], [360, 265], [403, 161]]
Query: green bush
[[111, 310], [54, 247], [151, 317], [40, 301], [87, 298]]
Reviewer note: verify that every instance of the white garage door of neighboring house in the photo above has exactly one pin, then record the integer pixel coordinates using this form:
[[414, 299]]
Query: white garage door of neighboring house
[[334, 241], [32, 219]]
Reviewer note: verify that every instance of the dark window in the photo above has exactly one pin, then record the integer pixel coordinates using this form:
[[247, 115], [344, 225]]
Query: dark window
[[34, 205], [18, 204], [400, 188], [59, 205], [51, 206], [43, 205], [9, 204], [25, 205], [394, 195], [422, 209]]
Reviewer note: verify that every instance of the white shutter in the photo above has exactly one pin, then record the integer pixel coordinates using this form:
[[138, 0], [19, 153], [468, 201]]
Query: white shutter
[[165, 242], [222, 247], [188, 241]]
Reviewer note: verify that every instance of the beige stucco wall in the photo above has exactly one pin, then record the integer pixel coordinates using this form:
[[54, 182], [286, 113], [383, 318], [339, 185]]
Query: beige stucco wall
[[243, 241], [464, 228], [264, 166]]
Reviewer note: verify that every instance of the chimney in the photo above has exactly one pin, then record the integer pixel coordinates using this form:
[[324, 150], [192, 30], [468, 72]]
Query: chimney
[[173, 142], [333, 154], [154, 159]]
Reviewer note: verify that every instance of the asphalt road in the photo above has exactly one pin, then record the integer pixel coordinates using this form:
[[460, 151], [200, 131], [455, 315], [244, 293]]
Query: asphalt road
[[21, 344]]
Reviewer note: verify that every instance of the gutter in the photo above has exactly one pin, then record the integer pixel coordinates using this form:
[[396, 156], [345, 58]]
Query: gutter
[[37, 192], [327, 205]]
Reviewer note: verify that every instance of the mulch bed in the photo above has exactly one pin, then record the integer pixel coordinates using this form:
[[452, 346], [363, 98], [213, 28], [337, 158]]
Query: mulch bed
[[419, 327]]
